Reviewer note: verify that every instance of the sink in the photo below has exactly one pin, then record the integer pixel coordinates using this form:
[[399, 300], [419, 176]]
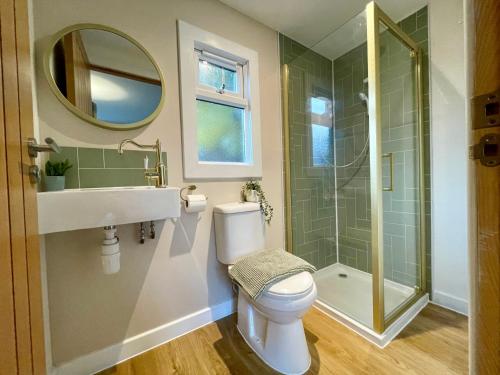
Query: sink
[[73, 209]]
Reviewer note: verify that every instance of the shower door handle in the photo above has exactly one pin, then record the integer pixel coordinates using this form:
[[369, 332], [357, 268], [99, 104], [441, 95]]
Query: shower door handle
[[391, 172]]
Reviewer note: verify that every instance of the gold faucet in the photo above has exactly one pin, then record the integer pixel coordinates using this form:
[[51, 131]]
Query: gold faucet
[[159, 172]]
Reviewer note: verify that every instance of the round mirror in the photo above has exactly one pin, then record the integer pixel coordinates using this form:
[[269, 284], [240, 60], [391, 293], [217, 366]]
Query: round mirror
[[104, 76]]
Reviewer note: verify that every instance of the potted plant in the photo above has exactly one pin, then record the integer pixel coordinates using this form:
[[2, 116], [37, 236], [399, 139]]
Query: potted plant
[[251, 191], [54, 178]]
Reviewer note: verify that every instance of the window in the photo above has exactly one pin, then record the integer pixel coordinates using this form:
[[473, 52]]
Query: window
[[220, 106], [214, 75], [321, 132], [321, 145], [221, 133]]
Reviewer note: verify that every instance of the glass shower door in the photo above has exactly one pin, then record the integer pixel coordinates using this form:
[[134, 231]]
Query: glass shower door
[[400, 171], [396, 164]]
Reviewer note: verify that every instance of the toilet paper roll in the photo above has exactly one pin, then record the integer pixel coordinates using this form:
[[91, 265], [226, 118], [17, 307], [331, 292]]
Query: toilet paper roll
[[195, 203]]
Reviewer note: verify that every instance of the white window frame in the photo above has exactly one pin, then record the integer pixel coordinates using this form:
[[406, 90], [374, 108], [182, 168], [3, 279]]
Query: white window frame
[[195, 43]]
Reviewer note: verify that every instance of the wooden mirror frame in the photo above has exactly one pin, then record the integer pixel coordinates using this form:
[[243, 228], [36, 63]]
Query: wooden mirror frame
[[82, 115]]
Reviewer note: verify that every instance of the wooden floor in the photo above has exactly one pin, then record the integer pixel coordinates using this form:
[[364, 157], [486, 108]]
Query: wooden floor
[[434, 343]]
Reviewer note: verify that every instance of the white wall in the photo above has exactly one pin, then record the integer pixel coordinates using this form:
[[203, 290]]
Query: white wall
[[449, 153], [176, 274]]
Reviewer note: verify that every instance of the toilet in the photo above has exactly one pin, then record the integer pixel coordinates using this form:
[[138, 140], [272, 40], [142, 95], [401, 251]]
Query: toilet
[[272, 324]]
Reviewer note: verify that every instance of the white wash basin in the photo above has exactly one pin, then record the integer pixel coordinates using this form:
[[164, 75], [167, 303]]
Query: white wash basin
[[73, 209]]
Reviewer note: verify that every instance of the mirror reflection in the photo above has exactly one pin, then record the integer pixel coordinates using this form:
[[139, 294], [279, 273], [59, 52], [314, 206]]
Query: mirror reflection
[[106, 76]]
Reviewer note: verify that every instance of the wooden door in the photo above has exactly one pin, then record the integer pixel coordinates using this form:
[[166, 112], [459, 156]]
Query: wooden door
[[77, 71], [21, 323], [485, 303]]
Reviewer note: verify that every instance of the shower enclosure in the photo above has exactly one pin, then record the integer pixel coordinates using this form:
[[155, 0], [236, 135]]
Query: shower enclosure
[[354, 110]]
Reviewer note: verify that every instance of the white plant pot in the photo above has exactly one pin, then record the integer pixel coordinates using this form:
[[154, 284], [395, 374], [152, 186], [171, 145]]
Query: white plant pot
[[251, 196]]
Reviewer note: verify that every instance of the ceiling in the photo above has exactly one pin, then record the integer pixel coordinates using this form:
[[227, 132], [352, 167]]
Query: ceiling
[[311, 21]]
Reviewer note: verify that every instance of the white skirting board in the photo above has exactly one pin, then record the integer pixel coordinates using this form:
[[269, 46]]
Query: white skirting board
[[450, 302], [112, 355]]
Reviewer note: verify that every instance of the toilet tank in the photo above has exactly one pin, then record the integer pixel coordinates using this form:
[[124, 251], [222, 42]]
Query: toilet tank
[[239, 230]]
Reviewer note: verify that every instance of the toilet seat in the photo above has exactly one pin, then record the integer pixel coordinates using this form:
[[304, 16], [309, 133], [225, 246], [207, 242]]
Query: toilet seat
[[295, 286], [290, 295], [292, 287]]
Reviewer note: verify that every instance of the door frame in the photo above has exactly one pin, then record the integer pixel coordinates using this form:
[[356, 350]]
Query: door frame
[[483, 29], [23, 351]]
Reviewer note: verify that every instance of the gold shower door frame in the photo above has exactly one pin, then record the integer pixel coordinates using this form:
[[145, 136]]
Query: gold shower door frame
[[374, 17]]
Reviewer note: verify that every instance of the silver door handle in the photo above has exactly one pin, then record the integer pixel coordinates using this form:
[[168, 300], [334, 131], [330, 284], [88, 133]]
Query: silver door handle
[[34, 148]]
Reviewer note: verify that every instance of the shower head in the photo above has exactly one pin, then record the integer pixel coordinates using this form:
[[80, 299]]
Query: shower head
[[363, 97]]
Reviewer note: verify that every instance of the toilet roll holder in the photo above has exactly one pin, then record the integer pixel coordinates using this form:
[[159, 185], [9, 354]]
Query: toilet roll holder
[[188, 203], [190, 188]]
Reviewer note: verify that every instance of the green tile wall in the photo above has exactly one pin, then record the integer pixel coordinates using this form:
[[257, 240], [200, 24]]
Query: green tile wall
[[399, 136], [313, 195], [97, 167], [353, 181]]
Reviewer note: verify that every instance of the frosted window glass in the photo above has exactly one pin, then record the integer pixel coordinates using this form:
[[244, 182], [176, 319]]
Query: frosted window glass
[[321, 145], [214, 76], [221, 133]]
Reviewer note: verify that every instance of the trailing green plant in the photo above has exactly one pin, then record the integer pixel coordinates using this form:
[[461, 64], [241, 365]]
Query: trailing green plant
[[266, 209], [57, 168]]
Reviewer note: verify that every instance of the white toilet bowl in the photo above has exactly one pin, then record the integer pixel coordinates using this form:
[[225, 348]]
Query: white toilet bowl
[[272, 324]]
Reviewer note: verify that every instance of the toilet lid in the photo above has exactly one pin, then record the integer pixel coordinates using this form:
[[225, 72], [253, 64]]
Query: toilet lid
[[293, 285]]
